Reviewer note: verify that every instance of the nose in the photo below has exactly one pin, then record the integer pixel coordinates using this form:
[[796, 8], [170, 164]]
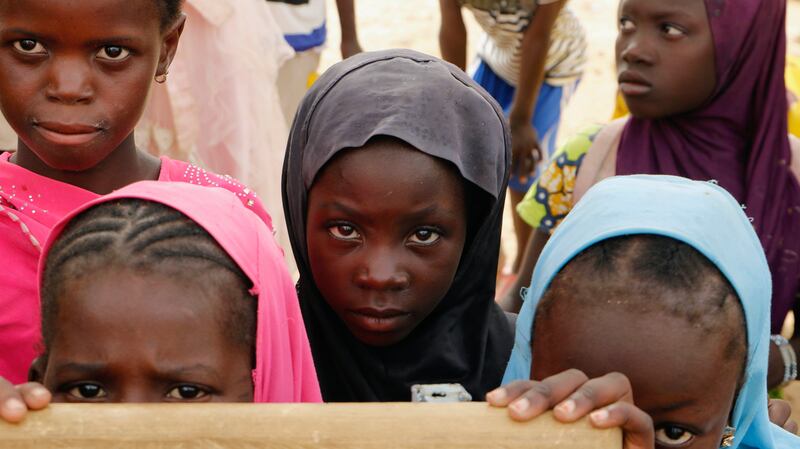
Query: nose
[[636, 49], [136, 391], [381, 271], [70, 81]]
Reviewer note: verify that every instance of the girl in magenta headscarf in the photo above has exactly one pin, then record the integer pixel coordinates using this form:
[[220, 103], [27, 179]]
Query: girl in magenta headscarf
[[166, 292], [704, 81]]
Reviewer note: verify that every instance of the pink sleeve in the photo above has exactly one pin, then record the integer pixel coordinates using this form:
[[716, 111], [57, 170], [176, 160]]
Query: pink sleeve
[[19, 304]]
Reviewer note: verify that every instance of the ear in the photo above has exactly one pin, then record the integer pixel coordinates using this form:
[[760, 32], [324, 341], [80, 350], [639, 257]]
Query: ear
[[37, 369], [169, 45]]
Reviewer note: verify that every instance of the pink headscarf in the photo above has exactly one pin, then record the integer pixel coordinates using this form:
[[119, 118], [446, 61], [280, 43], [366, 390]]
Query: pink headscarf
[[30, 205], [284, 370]]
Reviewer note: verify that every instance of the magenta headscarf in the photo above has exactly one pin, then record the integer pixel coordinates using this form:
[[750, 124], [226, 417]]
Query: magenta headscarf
[[284, 370], [739, 138]]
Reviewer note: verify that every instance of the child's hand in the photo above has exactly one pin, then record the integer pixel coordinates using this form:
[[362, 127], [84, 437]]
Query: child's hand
[[15, 401], [526, 152], [780, 413], [607, 400]]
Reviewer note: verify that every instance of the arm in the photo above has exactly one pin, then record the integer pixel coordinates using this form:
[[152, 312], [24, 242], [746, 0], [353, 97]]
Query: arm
[[535, 45], [512, 301], [347, 20], [453, 34]]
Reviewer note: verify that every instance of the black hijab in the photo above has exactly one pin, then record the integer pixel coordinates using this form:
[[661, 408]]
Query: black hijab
[[436, 108]]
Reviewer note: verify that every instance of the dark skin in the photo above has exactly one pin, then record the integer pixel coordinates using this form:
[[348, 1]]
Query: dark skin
[[137, 344], [385, 232], [347, 20], [665, 57], [665, 64], [75, 77], [526, 152], [688, 395]]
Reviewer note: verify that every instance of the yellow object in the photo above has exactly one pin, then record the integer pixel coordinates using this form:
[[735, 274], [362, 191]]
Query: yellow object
[[792, 85], [296, 426]]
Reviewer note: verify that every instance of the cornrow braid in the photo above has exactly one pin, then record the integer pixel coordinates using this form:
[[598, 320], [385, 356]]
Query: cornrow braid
[[653, 274], [145, 237]]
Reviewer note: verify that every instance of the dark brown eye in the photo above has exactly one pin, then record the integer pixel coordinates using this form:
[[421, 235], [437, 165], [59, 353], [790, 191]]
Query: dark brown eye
[[88, 391], [113, 53], [344, 232], [186, 392], [29, 46], [425, 236]]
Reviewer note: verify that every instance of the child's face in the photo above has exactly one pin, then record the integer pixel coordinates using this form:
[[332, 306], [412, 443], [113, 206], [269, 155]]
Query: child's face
[[75, 74], [386, 229], [665, 56], [154, 340], [679, 372]]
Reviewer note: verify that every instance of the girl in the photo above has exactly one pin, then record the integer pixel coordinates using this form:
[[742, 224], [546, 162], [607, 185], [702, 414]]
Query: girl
[[393, 187], [663, 280], [234, 334], [74, 79], [699, 110]]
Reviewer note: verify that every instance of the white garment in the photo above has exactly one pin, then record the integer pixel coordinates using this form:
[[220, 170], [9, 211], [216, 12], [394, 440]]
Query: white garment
[[220, 107], [504, 23]]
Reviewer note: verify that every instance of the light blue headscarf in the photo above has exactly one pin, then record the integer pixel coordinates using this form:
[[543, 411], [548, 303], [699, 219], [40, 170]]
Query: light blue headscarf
[[702, 215]]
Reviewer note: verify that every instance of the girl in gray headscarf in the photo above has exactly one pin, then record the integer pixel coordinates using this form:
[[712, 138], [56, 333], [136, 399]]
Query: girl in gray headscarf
[[393, 187]]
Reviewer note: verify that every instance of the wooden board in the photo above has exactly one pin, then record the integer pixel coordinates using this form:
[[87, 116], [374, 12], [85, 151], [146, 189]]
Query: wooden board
[[284, 426]]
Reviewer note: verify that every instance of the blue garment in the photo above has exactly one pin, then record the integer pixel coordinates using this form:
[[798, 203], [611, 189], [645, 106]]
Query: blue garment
[[302, 42], [699, 214], [546, 115]]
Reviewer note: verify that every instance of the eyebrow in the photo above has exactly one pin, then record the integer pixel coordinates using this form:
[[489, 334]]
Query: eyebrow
[[672, 407], [342, 208], [80, 367], [115, 39], [198, 368], [91, 43], [25, 32], [426, 211]]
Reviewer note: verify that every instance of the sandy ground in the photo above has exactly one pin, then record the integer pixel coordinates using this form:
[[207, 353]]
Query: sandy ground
[[414, 24]]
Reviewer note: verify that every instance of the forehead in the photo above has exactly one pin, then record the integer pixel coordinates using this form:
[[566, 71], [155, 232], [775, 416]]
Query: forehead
[[391, 170], [668, 360], [151, 311], [685, 8], [82, 16]]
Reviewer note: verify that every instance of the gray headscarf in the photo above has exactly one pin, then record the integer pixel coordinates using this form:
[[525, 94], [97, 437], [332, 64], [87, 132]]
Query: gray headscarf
[[439, 110]]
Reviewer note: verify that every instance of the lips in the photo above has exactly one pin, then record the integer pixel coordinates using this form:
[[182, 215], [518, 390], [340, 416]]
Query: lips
[[633, 84], [379, 320], [67, 134]]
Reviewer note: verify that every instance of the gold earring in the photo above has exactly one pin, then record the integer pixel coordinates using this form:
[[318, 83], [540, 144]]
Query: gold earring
[[727, 436], [162, 78]]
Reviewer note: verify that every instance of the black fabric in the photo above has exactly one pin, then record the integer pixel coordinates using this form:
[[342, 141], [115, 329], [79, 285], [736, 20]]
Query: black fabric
[[435, 107]]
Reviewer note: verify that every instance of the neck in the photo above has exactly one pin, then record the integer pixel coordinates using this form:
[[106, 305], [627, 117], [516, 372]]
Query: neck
[[125, 165]]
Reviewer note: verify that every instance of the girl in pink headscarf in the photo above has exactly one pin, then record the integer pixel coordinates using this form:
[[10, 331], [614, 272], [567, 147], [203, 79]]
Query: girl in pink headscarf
[[166, 292]]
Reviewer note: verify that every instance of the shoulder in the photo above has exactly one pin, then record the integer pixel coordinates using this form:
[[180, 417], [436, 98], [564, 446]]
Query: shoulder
[[179, 171], [550, 198]]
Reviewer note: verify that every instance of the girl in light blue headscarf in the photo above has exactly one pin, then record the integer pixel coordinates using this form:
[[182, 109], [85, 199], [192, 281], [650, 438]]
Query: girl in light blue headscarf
[[654, 279]]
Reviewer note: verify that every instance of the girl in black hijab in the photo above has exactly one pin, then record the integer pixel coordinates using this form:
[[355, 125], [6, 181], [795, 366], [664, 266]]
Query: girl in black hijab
[[393, 186]]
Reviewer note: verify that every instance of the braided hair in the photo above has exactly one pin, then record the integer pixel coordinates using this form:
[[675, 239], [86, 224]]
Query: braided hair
[[146, 237], [654, 274]]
